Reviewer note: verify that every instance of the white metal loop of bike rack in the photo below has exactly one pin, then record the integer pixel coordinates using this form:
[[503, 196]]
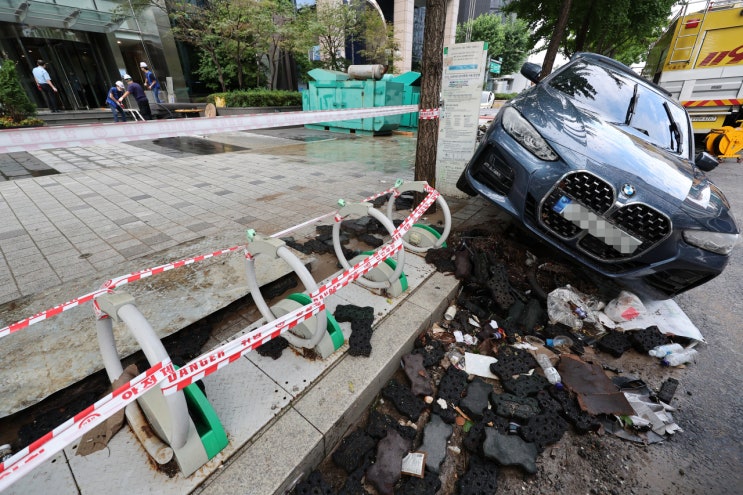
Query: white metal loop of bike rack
[[421, 241], [366, 209], [276, 248], [169, 414]]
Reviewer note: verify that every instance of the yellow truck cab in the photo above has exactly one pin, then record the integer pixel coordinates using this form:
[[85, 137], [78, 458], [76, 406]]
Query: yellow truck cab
[[699, 60]]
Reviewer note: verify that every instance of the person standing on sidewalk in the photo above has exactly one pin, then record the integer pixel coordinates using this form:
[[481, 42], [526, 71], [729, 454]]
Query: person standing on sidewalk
[[116, 91], [150, 81], [45, 84], [136, 90]]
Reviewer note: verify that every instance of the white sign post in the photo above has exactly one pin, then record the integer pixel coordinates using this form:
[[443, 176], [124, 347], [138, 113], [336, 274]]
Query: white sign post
[[461, 88]]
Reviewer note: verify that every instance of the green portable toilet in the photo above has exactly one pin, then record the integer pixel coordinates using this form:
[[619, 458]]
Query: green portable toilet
[[411, 96], [333, 90]]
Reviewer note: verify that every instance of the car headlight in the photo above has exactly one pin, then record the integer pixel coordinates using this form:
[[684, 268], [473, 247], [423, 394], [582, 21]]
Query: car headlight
[[528, 137], [711, 241]]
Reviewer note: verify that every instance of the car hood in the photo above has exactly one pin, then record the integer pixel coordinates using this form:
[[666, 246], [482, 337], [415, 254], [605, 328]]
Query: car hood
[[585, 140]]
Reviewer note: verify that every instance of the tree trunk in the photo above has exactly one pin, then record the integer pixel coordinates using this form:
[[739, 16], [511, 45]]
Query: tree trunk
[[431, 72], [582, 35], [239, 67], [557, 34], [215, 59]]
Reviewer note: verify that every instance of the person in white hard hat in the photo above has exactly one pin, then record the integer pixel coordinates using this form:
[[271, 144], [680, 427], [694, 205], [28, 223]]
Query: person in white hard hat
[[150, 81], [136, 90], [112, 99]]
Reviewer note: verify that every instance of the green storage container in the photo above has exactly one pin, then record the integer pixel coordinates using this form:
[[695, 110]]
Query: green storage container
[[332, 90], [411, 96]]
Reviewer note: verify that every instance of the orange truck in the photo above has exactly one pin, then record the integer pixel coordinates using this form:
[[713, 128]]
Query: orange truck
[[699, 60]]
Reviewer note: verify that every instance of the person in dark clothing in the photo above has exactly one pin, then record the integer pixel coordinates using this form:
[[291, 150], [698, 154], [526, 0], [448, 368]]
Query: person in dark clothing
[[150, 81], [116, 91], [136, 90], [45, 84]]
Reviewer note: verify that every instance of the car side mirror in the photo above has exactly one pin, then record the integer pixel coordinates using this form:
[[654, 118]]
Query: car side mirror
[[705, 161], [531, 71]]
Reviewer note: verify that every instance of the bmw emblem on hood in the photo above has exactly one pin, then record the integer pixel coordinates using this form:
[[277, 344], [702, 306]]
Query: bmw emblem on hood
[[628, 190]]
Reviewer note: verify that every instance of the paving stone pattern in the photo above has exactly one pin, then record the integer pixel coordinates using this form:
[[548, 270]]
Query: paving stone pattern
[[114, 203]]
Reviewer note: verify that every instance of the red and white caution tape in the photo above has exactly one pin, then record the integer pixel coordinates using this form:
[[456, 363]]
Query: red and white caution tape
[[43, 449], [407, 224], [47, 446], [38, 138], [105, 289], [428, 114], [327, 215], [27, 322], [114, 283], [212, 361]]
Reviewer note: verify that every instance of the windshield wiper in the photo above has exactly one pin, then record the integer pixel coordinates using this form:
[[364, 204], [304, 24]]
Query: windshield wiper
[[674, 128], [631, 107]]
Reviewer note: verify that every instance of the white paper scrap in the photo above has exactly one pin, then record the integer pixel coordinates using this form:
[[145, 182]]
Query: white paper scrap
[[414, 464], [477, 364], [458, 336]]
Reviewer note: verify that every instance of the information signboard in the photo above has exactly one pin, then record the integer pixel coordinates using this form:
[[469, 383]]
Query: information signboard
[[461, 87]]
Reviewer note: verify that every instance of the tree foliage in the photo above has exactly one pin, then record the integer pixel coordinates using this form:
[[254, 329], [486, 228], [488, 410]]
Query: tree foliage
[[621, 29], [378, 38], [507, 39], [14, 102], [241, 43]]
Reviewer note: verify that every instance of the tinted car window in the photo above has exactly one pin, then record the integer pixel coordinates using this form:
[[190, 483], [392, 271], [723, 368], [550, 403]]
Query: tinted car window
[[624, 101]]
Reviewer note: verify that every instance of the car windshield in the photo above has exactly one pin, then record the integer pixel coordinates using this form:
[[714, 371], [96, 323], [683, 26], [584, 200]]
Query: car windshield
[[625, 101]]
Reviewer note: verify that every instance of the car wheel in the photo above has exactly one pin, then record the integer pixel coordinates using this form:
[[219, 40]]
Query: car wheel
[[464, 185]]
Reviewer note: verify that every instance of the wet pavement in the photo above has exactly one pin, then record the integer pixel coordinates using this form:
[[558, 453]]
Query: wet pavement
[[118, 217], [22, 165], [183, 146], [118, 208]]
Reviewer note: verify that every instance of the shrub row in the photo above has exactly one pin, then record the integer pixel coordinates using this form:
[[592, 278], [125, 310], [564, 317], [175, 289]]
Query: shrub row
[[505, 96], [7, 122], [258, 98]]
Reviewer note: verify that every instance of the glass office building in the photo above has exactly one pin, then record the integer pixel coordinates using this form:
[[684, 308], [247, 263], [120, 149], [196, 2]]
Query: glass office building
[[88, 44]]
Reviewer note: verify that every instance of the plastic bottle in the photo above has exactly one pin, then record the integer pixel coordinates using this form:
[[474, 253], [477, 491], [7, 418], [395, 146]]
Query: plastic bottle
[[662, 350], [549, 371], [561, 342], [677, 358]]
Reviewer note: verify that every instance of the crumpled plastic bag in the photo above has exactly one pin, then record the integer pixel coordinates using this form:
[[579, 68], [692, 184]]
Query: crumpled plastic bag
[[573, 308], [627, 306]]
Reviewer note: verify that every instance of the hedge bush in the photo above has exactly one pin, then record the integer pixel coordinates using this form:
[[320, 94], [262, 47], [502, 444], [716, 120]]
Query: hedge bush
[[258, 98], [505, 96], [7, 122]]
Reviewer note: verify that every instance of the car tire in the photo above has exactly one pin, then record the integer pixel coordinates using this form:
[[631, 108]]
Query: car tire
[[464, 185]]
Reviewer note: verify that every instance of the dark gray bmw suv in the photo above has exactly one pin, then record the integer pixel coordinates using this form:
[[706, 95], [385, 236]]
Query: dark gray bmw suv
[[599, 163]]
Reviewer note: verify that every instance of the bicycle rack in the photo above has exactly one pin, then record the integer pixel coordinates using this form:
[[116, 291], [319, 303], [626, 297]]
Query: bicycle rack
[[383, 272], [320, 332], [420, 238], [376, 278], [194, 438]]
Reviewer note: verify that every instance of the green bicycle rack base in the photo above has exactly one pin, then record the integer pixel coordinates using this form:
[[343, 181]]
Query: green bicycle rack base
[[207, 423], [423, 236], [382, 272], [206, 435], [333, 338]]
